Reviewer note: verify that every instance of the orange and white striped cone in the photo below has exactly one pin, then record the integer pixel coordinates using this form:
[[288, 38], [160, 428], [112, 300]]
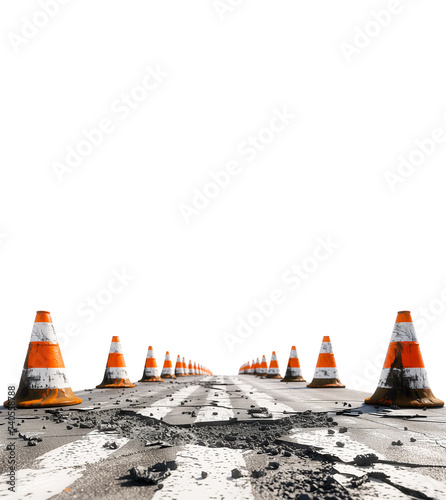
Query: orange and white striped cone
[[273, 369], [115, 376], [240, 371], [403, 379], [252, 368], [190, 369], [184, 366], [195, 369], [44, 381], [293, 371], [263, 368], [247, 368], [150, 373], [167, 371], [179, 368], [257, 367], [326, 373]]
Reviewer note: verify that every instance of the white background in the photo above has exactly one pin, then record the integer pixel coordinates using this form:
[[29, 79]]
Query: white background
[[321, 177]]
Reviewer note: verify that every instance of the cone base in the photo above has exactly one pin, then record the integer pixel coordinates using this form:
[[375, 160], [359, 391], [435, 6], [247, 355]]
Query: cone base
[[115, 383], [151, 379], [293, 379], [405, 398], [168, 376], [320, 383], [43, 398], [177, 375], [274, 376]]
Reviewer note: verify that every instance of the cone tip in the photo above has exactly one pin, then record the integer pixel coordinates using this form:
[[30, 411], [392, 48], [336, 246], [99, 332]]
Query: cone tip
[[43, 317], [115, 338], [293, 348], [404, 317], [326, 338]]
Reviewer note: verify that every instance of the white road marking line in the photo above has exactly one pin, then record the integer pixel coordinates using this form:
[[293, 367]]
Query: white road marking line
[[402, 476], [263, 400], [373, 488], [221, 398], [60, 467], [186, 481], [159, 409]]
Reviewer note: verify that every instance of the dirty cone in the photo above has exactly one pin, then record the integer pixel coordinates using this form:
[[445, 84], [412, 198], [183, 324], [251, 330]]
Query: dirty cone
[[179, 368], [273, 370], [150, 373], [190, 369], [184, 366], [263, 368], [115, 376], [44, 381], [167, 371], [293, 371], [257, 367], [195, 369], [326, 373], [403, 379], [252, 368]]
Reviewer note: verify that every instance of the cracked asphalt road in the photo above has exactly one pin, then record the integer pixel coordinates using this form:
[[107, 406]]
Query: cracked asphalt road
[[282, 441]]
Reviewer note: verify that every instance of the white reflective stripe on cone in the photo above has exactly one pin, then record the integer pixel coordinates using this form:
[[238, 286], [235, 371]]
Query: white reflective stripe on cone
[[403, 332], [43, 332], [151, 372], [295, 372], [293, 354], [326, 347], [115, 372], [115, 347], [166, 371], [326, 373], [273, 371], [415, 378], [46, 378]]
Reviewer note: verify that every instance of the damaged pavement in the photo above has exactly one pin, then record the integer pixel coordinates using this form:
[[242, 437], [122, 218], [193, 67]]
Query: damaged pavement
[[347, 451]]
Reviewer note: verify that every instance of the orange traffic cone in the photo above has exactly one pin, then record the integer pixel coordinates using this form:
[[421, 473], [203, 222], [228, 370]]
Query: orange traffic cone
[[150, 373], [44, 381], [190, 369], [293, 371], [184, 366], [326, 373], [247, 369], [195, 369], [252, 368], [403, 379], [115, 375], [273, 370], [257, 367], [167, 371], [263, 368], [179, 368]]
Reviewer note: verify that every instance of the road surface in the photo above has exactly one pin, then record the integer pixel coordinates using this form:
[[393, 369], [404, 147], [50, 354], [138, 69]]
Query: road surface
[[225, 437]]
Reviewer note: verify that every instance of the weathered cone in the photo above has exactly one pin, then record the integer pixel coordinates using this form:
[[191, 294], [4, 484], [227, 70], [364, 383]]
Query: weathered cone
[[403, 379], [326, 373], [115, 376], [293, 371]]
